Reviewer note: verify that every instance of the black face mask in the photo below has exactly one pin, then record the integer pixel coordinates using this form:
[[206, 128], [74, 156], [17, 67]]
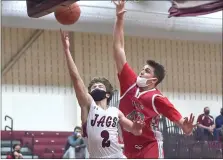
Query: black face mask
[[18, 151], [207, 112], [98, 94]]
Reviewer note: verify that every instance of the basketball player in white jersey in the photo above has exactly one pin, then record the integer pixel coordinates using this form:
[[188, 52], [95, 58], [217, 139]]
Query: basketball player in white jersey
[[98, 120]]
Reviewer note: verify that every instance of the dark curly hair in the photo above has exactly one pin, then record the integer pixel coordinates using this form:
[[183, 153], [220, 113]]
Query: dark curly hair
[[108, 86]]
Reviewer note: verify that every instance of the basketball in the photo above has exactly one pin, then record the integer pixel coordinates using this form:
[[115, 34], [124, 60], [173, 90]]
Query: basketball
[[68, 15]]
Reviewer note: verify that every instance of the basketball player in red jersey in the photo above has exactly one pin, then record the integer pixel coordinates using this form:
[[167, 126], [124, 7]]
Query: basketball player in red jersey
[[99, 121], [140, 99]]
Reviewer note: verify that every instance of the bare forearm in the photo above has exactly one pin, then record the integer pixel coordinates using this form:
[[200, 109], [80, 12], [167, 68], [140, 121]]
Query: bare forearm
[[73, 71], [202, 126], [80, 89], [127, 124], [118, 41], [183, 124], [118, 45], [180, 123]]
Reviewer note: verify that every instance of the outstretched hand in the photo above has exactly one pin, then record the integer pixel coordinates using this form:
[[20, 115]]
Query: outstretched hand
[[65, 39], [137, 127], [120, 7], [188, 125]]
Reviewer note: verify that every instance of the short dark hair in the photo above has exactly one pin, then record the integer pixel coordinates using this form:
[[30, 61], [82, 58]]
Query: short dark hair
[[159, 70], [77, 127], [206, 107], [15, 145], [108, 86]]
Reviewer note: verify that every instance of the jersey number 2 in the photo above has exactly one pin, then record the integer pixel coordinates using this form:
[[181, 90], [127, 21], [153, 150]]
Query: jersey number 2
[[105, 142]]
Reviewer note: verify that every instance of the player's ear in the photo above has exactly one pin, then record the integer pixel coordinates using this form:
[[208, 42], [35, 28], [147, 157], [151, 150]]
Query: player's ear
[[154, 80], [107, 95]]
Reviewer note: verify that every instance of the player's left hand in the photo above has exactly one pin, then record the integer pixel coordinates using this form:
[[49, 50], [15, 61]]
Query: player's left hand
[[137, 127], [188, 125], [120, 7]]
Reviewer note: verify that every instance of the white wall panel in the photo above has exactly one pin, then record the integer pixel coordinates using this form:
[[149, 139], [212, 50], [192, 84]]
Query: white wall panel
[[193, 80]]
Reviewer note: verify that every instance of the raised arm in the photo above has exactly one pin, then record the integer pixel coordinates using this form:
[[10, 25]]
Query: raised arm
[[118, 36], [164, 107], [133, 127], [187, 124], [83, 97]]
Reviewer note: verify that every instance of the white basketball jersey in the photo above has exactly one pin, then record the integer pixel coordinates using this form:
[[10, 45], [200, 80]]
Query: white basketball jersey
[[102, 133]]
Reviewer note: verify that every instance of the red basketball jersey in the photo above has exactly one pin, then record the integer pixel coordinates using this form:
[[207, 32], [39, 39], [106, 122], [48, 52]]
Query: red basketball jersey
[[147, 106]]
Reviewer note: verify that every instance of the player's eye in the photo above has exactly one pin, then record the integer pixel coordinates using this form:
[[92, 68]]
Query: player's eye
[[101, 86], [93, 87]]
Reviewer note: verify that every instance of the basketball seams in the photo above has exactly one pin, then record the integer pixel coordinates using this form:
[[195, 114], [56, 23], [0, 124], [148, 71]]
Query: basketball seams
[[65, 10], [68, 15]]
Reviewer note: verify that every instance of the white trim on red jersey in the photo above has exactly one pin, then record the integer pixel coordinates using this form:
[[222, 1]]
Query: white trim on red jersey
[[153, 102], [128, 90]]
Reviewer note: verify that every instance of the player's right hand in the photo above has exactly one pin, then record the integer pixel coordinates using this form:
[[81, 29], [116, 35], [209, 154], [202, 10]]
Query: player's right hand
[[65, 39], [137, 127], [120, 7], [188, 125]]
